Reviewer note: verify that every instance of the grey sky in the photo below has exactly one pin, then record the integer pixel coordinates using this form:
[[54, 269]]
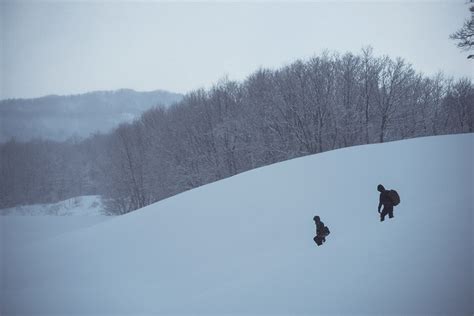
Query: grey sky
[[67, 48]]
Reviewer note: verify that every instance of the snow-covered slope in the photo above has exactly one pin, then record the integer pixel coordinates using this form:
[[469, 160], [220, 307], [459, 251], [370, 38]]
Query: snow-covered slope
[[89, 205], [244, 245]]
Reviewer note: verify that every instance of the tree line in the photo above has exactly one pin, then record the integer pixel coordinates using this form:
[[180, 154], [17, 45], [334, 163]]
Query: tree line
[[310, 106]]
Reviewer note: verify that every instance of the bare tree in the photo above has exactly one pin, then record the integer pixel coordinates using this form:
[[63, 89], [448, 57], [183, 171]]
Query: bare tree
[[465, 35]]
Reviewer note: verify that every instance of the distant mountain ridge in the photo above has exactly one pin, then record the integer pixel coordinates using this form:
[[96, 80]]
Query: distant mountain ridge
[[61, 117]]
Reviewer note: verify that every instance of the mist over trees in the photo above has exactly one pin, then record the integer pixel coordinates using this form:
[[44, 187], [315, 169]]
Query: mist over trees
[[43, 171], [310, 106]]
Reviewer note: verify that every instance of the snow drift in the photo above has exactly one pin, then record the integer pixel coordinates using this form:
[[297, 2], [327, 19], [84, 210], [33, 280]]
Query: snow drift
[[244, 245]]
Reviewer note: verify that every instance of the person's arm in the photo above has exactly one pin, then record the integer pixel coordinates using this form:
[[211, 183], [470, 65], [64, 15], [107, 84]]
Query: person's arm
[[319, 227], [380, 203]]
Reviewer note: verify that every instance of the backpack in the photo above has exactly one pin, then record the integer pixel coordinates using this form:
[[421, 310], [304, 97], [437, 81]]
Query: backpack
[[393, 195], [326, 230]]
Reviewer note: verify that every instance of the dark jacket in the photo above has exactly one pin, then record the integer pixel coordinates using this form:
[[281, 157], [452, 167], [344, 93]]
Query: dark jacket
[[385, 200], [320, 228]]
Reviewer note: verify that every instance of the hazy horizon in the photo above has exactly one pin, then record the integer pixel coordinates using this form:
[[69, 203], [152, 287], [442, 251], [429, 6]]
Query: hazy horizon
[[64, 48], [91, 91]]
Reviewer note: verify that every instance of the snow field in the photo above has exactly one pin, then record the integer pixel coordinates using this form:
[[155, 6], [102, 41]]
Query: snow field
[[244, 245]]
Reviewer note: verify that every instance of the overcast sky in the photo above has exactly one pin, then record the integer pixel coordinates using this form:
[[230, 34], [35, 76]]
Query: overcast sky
[[62, 47]]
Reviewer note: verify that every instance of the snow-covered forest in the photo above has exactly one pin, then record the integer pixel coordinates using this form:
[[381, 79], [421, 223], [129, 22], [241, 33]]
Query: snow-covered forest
[[310, 106]]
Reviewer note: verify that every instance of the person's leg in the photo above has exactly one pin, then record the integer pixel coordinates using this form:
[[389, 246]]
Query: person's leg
[[318, 240], [390, 213], [383, 214]]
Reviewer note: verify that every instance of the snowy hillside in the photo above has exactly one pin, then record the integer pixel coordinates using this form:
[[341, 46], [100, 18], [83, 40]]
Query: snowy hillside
[[90, 205], [244, 245]]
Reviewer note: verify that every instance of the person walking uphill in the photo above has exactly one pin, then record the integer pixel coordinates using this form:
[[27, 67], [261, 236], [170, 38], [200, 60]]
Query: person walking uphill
[[321, 231], [389, 199]]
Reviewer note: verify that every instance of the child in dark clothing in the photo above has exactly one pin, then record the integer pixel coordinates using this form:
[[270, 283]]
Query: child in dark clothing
[[321, 231]]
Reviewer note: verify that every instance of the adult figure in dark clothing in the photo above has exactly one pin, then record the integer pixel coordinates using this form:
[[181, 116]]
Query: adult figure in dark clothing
[[387, 203], [321, 231]]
